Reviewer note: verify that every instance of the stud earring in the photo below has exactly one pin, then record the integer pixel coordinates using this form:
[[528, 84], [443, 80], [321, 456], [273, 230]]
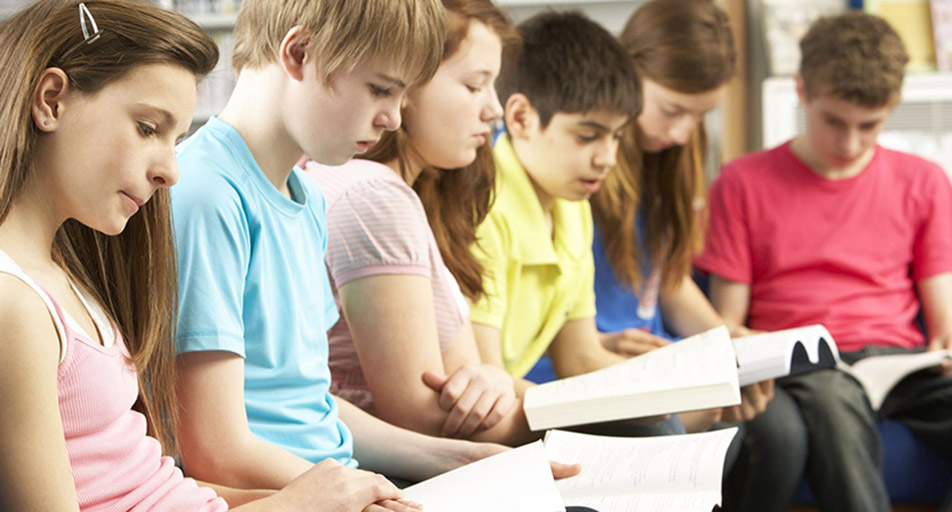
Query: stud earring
[[46, 123]]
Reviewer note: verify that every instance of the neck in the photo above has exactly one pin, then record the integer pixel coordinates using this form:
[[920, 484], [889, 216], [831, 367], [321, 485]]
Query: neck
[[802, 148], [545, 199], [254, 111], [414, 166], [29, 229]]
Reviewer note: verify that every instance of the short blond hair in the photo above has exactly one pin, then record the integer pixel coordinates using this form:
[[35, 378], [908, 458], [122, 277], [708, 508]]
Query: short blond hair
[[344, 33]]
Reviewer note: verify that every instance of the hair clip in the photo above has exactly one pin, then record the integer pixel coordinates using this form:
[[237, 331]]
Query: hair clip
[[88, 36]]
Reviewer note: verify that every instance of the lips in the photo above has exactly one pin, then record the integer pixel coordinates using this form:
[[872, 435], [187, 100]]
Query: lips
[[134, 201], [591, 186], [364, 146]]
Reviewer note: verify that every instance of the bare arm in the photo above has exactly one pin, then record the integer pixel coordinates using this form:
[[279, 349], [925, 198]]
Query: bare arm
[[388, 449], [687, 310], [936, 295], [396, 349], [577, 349], [731, 299], [489, 344], [35, 471], [216, 443]]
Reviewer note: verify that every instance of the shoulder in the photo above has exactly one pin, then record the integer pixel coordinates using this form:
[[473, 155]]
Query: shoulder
[[911, 167], [374, 190], [28, 329], [362, 176], [754, 165]]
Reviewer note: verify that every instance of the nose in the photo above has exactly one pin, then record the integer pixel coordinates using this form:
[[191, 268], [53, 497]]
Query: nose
[[493, 110], [390, 118], [164, 172], [850, 144], [606, 156]]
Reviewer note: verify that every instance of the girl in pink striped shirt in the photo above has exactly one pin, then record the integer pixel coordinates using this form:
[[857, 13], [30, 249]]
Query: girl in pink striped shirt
[[401, 222], [96, 95]]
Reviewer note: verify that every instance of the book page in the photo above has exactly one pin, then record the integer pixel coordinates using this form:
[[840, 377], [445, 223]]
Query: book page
[[659, 474], [768, 355], [879, 374], [517, 480], [702, 359]]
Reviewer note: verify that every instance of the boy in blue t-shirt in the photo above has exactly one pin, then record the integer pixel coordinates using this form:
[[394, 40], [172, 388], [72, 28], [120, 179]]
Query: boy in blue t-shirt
[[255, 301]]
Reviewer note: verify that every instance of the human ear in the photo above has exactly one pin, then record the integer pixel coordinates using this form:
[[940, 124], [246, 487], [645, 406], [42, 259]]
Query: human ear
[[47, 105], [521, 117], [293, 52], [801, 89]]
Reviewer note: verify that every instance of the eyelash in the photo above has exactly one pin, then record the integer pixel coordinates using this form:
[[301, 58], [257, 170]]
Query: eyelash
[[146, 130], [380, 92], [474, 90]]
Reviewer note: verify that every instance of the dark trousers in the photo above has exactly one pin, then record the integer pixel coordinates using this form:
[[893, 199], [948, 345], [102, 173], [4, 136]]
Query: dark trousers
[[772, 458], [844, 450]]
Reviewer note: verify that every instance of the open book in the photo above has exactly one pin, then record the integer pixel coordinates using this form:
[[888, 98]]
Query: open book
[[879, 374], [650, 474], [518, 480], [657, 474], [695, 373], [781, 353]]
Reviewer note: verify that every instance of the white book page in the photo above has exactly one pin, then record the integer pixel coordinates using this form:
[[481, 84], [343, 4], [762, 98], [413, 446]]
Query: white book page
[[699, 360], [767, 355], [670, 473], [879, 374], [517, 480]]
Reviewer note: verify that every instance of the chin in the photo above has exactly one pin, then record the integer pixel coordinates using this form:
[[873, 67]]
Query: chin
[[113, 228]]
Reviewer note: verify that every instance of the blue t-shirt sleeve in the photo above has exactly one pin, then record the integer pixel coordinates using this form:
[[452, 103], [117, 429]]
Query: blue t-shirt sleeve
[[213, 242]]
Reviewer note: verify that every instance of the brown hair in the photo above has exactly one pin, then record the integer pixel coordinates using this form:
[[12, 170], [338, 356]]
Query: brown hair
[[570, 64], [344, 33], [685, 46], [855, 57], [456, 202], [132, 275]]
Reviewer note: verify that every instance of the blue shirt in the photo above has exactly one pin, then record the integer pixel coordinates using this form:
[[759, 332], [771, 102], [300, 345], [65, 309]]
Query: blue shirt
[[252, 281], [620, 307]]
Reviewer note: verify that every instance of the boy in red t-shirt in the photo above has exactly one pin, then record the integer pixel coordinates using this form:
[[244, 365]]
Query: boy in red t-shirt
[[831, 228]]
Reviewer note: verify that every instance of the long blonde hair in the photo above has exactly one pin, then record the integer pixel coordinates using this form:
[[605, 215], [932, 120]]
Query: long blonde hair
[[686, 46], [132, 275]]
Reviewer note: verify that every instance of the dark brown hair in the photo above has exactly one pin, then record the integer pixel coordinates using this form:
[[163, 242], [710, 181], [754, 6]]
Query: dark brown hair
[[855, 57], [132, 275], [570, 64], [685, 46], [457, 201]]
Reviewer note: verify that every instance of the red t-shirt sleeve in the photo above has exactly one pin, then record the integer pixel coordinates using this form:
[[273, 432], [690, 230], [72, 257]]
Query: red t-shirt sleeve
[[727, 244], [932, 250]]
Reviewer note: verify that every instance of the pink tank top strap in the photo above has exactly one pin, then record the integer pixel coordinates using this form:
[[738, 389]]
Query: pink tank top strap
[[10, 267]]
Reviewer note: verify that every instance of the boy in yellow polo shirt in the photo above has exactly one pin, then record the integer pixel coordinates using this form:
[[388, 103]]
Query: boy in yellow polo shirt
[[567, 98]]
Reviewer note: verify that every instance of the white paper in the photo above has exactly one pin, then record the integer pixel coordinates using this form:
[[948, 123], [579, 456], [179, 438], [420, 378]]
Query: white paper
[[879, 374], [700, 361], [517, 480], [657, 474], [768, 355]]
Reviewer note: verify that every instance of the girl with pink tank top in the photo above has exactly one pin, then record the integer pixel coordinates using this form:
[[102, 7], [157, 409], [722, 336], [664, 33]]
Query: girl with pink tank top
[[96, 96]]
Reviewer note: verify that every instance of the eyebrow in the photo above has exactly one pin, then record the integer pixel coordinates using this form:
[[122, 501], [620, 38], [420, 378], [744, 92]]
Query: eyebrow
[[167, 116], [397, 82], [601, 127]]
